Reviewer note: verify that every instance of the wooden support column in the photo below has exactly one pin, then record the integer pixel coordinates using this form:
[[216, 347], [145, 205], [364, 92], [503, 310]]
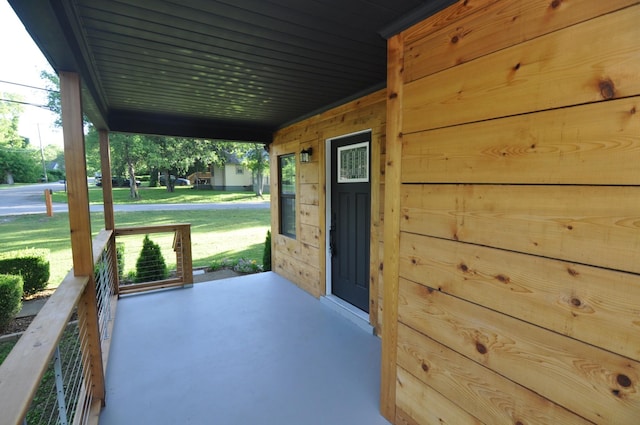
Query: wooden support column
[[392, 227], [80, 224], [107, 193], [107, 196]]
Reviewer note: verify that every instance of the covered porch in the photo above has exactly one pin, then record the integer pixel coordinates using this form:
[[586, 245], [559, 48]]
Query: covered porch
[[254, 349]]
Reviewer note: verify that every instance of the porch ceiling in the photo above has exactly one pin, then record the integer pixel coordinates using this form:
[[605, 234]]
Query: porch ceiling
[[225, 69]]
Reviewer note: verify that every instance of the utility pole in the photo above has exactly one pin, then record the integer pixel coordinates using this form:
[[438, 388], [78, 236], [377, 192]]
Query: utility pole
[[44, 166]]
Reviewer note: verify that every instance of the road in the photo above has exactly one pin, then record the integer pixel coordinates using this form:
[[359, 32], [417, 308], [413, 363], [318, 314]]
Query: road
[[19, 200]]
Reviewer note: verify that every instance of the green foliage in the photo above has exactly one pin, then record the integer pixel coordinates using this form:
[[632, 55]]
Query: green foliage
[[19, 165], [240, 265], [150, 265], [10, 297], [32, 264], [56, 175], [266, 258], [120, 258], [52, 82], [18, 161]]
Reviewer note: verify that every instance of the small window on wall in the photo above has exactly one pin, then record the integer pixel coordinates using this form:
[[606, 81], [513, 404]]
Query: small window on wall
[[239, 169], [287, 186]]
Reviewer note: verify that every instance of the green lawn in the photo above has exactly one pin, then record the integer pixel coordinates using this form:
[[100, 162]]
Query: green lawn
[[159, 195], [216, 235]]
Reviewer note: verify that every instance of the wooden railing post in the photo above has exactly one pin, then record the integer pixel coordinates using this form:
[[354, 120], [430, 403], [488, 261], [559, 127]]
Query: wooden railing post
[[107, 196], [80, 224], [187, 261]]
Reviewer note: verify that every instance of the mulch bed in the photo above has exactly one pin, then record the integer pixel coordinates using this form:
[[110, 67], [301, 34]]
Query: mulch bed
[[20, 324]]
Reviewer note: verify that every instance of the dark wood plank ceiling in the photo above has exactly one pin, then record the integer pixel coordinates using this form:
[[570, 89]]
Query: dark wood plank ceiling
[[226, 69]]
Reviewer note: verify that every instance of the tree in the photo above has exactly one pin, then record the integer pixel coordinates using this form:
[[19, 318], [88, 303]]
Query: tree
[[18, 161], [52, 84], [257, 160]]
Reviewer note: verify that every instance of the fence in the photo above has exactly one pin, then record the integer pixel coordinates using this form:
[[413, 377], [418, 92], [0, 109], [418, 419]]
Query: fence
[[55, 372], [172, 241]]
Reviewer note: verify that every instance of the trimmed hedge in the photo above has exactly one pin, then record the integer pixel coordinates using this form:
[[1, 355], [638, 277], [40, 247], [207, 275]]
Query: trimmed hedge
[[31, 264], [10, 297]]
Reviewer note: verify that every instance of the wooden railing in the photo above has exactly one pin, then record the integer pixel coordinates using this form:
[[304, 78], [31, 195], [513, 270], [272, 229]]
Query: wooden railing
[[40, 348], [181, 246], [76, 351]]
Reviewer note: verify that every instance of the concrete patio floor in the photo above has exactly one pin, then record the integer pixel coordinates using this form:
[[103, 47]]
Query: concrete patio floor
[[253, 349]]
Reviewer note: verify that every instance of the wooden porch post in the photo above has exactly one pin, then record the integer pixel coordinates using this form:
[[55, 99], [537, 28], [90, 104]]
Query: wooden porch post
[[107, 193], [80, 223], [107, 196], [391, 227]]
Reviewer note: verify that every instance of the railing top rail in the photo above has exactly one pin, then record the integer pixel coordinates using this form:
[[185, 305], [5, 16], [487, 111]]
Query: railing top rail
[[99, 243], [22, 370], [140, 230]]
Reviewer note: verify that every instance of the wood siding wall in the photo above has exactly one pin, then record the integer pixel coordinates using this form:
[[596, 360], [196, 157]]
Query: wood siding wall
[[518, 185], [302, 260]]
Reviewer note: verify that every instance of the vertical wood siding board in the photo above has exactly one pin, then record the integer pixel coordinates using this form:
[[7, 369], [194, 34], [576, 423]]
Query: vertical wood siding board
[[426, 406], [598, 385], [485, 394], [497, 26], [596, 225], [593, 305], [395, 58], [376, 142], [593, 144], [548, 72]]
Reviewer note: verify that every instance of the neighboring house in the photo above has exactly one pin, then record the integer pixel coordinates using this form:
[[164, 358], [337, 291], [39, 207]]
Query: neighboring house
[[232, 176]]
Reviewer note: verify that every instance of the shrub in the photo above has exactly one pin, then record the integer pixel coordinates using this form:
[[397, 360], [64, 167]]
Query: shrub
[[266, 257], [10, 297], [247, 266], [120, 259], [31, 264], [150, 265]]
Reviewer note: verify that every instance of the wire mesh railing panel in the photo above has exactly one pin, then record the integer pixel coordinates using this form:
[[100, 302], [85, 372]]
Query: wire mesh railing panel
[[153, 257], [104, 278], [63, 388]]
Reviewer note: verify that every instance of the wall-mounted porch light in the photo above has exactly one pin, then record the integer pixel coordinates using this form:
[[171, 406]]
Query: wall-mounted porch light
[[305, 155]]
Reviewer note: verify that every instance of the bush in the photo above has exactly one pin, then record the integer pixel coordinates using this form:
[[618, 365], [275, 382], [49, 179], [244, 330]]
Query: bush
[[31, 264], [150, 265], [120, 258], [266, 257], [56, 175], [10, 298]]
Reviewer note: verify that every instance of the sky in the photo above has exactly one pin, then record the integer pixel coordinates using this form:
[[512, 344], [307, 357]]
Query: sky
[[21, 62]]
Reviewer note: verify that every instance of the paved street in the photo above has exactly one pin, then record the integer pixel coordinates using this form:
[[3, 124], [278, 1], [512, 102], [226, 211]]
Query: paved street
[[18, 200]]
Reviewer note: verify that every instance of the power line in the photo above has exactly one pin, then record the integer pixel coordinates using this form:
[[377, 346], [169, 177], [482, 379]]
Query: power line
[[28, 86], [25, 103]]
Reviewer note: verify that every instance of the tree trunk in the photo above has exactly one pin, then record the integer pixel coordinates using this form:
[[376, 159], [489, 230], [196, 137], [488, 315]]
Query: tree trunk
[[259, 183], [133, 187], [167, 181]]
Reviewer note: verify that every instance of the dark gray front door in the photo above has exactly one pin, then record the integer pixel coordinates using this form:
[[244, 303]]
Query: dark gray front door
[[350, 219]]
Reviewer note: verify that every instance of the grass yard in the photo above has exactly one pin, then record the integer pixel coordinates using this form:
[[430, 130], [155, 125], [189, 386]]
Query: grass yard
[[215, 235], [159, 195]]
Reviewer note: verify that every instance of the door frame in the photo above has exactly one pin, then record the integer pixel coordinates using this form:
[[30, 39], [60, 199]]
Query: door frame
[[361, 314]]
